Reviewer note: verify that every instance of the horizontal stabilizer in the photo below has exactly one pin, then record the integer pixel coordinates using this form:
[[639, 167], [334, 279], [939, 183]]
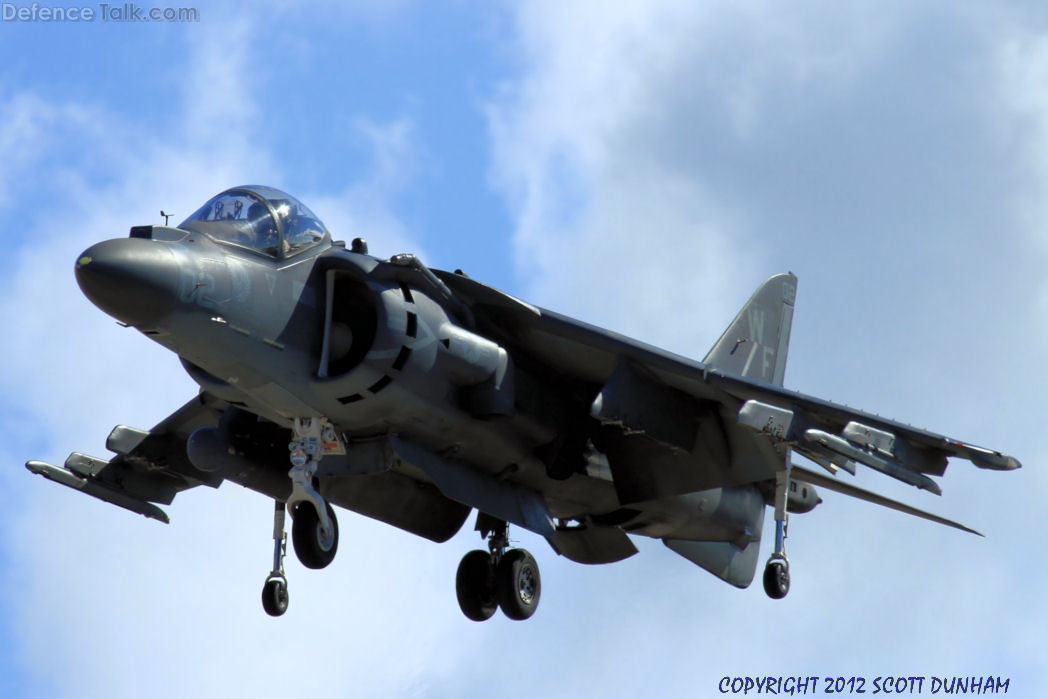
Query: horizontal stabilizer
[[84, 483], [830, 483]]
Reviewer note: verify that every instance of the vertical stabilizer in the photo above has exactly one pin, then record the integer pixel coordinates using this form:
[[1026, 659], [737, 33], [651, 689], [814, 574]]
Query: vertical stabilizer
[[756, 342]]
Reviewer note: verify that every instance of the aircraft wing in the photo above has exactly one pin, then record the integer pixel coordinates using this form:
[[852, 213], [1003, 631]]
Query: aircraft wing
[[834, 435], [649, 401], [150, 467]]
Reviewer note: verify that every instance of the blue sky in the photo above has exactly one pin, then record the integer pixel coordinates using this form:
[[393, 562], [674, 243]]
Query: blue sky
[[643, 166]]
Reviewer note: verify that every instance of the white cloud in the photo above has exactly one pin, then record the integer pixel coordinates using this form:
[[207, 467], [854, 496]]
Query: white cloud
[[1022, 62], [592, 208], [609, 148], [365, 207], [30, 132], [660, 160]]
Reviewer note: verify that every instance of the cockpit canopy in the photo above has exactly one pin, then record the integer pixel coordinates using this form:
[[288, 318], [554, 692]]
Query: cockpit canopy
[[259, 218]]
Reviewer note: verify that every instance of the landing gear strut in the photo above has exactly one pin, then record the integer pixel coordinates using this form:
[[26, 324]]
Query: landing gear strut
[[777, 571], [487, 580], [314, 529], [274, 592]]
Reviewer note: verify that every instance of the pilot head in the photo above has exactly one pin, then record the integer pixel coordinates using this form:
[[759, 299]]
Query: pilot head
[[266, 237]]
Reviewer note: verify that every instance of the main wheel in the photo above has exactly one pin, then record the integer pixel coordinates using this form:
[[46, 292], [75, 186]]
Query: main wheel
[[518, 584], [777, 578], [475, 586], [274, 596], [312, 546]]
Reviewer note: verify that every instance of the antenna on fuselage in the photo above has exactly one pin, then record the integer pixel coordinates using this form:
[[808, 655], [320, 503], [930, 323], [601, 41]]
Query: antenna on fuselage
[[166, 216]]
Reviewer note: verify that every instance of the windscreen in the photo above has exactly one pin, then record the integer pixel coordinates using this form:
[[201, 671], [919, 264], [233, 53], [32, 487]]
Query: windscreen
[[240, 218], [259, 218]]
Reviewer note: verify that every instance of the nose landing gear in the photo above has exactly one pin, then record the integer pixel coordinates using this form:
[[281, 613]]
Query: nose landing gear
[[314, 529], [488, 580], [274, 592]]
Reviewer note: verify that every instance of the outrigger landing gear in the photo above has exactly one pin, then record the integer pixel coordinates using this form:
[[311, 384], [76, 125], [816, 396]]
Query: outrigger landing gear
[[487, 580], [314, 529], [777, 571], [274, 592]]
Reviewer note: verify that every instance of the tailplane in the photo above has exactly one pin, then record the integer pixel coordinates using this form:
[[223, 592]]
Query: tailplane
[[756, 342]]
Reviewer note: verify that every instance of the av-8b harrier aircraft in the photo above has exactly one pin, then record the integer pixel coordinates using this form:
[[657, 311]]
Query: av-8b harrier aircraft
[[414, 396]]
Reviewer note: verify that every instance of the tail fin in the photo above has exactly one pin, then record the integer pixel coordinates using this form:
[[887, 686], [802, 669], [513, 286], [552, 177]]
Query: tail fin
[[756, 342]]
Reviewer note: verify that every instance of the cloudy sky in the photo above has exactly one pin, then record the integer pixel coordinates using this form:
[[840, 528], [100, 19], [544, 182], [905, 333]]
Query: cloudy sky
[[633, 164]]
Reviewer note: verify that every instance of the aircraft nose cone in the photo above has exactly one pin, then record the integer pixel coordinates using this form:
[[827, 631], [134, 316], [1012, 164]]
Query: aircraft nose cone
[[132, 279]]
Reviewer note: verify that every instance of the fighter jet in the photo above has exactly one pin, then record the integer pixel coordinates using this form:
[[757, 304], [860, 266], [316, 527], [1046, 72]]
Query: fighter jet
[[329, 377]]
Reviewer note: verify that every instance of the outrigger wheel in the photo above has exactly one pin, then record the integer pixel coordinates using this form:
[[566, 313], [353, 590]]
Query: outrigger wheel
[[314, 547], [777, 577]]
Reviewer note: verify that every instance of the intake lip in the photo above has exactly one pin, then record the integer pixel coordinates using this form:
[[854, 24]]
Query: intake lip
[[132, 279]]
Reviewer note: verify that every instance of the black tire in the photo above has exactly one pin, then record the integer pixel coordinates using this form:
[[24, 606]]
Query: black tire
[[777, 579], [475, 586], [274, 596], [518, 584], [312, 548]]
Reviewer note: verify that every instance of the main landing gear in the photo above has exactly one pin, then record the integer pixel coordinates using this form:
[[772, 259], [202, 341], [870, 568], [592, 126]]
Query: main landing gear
[[314, 529], [488, 580], [777, 571]]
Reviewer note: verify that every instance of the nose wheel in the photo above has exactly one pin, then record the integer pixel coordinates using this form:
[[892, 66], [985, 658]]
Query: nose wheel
[[274, 596], [274, 591], [314, 529], [497, 578]]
